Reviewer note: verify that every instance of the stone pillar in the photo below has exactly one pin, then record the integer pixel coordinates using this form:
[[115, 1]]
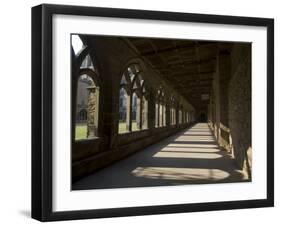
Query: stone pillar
[[221, 80], [213, 112], [91, 127], [224, 77], [180, 116], [151, 108], [192, 116], [224, 68], [144, 112], [217, 99], [168, 116], [139, 113], [164, 114], [177, 115], [157, 114], [160, 114], [172, 116], [129, 112]]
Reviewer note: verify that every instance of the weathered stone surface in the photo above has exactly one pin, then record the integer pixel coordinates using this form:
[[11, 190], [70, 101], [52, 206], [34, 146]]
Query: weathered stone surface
[[230, 104], [111, 57], [228, 109], [91, 127], [240, 105]]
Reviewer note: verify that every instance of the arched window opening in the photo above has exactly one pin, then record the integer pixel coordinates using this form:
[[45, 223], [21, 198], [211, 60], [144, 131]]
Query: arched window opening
[[123, 105], [144, 112], [76, 43], [136, 101], [86, 108], [131, 74], [135, 112], [144, 105], [172, 111], [160, 109], [163, 113], [156, 114], [123, 82], [160, 114], [87, 95], [87, 63]]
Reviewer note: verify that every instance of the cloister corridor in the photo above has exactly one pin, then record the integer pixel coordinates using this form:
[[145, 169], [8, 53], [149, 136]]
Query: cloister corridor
[[191, 156]]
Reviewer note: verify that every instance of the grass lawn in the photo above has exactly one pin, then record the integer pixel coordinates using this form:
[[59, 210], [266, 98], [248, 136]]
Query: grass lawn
[[80, 132], [122, 127]]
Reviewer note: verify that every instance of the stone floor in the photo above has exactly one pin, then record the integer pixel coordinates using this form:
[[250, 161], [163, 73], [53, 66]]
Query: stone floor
[[189, 157]]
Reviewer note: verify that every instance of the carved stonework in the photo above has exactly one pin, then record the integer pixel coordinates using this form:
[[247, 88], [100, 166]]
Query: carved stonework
[[91, 132]]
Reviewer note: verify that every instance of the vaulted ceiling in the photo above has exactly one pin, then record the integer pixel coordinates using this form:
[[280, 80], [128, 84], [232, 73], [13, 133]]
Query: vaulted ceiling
[[187, 65]]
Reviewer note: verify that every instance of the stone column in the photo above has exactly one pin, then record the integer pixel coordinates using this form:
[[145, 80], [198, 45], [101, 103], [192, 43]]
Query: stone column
[[144, 113], [221, 80], [160, 106], [168, 116], [91, 127], [138, 113], [217, 99], [224, 68], [177, 115], [151, 108], [174, 115], [171, 115], [157, 114], [164, 115], [224, 76], [129, 112]]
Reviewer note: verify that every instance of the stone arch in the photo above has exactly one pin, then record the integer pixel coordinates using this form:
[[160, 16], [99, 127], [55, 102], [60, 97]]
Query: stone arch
[[130, 62], [91, 74], [132, 80], [92, 91]]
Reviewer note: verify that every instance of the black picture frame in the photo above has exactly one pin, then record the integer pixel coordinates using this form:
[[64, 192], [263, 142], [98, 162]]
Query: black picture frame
[[42, 111]]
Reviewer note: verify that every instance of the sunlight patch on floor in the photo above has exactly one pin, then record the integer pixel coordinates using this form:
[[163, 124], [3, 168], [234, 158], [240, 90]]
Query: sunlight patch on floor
[[192, 145], [180, 174], [186, 155], [205, 134], [190, 149], [195, 139]]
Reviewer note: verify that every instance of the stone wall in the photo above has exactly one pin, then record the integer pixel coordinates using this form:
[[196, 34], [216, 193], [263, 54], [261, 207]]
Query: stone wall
[[128, 144], [229, 112], [240, 106], [111, 57]]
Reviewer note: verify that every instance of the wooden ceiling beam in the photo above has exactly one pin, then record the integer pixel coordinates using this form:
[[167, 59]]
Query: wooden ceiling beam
[[150, 53], [193, 74]]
